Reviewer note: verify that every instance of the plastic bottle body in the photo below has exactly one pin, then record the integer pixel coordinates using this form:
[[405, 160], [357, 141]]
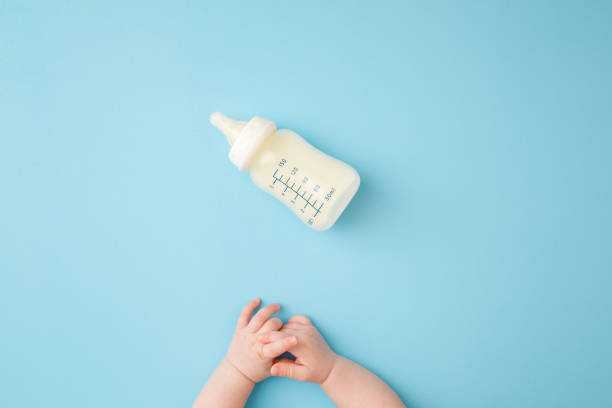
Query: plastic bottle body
[[314, 185]]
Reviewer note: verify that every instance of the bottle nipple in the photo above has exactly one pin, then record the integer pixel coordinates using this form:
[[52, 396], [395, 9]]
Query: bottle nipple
[[229, 127]]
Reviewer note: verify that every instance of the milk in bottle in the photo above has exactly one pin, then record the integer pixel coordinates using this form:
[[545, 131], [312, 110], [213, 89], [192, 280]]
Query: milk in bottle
[[314, 185]]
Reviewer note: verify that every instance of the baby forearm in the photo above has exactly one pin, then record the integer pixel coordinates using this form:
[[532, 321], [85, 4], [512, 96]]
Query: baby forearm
[[350, 385], [226, 388]]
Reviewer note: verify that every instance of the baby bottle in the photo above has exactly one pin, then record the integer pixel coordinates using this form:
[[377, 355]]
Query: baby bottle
[[314, 185]]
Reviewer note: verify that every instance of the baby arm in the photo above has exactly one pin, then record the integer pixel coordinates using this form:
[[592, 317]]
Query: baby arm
[[347, 383], [247, 361]]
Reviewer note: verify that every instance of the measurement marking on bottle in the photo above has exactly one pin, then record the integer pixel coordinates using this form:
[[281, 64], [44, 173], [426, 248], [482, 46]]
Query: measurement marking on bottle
[[291, 187], [319, 210], [308, 202], [275, 179]]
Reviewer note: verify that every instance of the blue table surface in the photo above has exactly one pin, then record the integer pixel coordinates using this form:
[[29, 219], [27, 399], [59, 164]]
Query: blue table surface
[[472, 269]]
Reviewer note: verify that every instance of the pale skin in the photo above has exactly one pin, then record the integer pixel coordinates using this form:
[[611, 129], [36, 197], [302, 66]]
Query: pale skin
[[252, 357]]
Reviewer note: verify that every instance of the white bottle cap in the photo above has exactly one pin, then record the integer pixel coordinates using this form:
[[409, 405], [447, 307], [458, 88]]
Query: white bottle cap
[[249, 141]]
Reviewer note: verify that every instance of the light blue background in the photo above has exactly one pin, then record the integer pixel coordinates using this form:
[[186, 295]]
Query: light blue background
[[472, 269]]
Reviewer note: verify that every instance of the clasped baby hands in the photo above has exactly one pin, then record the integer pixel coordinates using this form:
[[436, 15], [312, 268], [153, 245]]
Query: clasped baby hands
[[253, 356], [314, 360]]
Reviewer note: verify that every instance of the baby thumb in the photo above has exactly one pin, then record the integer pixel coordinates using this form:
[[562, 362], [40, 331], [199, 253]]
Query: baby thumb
[[285, 367]]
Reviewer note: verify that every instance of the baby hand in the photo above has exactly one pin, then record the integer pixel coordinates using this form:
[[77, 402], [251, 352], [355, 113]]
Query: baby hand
[[314, 359], [252, 358]]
